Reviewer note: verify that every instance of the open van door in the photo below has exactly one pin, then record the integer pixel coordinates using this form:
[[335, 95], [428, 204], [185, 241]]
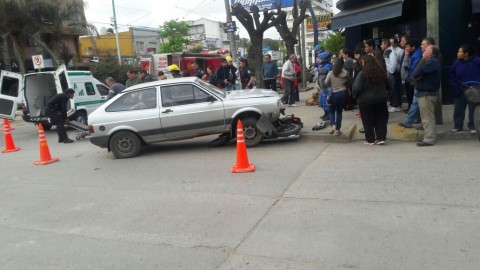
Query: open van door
[[62, 82], [10, 94]]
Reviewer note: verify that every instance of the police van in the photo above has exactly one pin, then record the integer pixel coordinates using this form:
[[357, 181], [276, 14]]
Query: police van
[[33, 91]]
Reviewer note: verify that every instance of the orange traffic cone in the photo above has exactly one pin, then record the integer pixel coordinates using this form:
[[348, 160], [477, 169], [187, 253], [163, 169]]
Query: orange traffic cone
[[9, 144], [242, 158], [45, 157], [7, 123]]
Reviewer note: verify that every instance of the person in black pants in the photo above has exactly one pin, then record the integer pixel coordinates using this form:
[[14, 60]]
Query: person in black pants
[[370, 88], [57, 112]]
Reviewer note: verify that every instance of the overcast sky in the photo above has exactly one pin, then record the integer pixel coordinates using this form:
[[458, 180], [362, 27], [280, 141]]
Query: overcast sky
[[152, 13]]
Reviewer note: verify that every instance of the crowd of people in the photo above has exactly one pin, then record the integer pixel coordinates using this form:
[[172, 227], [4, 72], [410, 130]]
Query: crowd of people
[[375, 78]]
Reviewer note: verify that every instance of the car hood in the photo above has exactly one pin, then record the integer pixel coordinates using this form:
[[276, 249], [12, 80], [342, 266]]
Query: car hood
[[251, 93]]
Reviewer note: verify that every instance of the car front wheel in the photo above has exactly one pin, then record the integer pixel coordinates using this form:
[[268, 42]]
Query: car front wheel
[[252, 135], [125, 144]]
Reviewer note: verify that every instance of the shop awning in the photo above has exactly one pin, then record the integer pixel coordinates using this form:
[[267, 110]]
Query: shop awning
[[475, 6], [367, 14]]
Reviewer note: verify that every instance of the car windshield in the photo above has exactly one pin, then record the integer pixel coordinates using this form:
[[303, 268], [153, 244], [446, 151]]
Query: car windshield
[[211, 88]]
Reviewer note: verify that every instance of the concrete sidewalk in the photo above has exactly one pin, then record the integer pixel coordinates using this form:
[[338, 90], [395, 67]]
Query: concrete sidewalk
[[310, 116]]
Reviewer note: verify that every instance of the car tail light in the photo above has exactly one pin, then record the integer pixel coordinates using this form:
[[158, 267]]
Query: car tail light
[[90, 128]]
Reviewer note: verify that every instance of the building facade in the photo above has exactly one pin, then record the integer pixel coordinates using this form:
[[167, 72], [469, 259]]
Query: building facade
[[207, 34], [134, 44], [450, 22]]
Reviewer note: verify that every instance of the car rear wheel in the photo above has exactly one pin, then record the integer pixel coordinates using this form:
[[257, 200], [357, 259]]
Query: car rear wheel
[[252, 135], [125, 144]]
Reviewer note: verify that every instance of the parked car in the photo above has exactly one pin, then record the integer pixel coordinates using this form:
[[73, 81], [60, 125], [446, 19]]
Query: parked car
[[184, 108]]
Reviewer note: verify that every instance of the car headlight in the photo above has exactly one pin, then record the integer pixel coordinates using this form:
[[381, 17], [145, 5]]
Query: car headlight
[[279, 103]]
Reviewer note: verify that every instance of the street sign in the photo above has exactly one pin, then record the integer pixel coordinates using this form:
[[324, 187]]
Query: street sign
[[38, 62]]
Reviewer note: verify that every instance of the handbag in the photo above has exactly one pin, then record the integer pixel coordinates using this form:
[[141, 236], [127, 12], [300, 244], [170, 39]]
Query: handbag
[[472, 94]]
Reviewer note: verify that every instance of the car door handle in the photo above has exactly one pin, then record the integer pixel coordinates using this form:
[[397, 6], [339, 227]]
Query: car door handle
[[168, 111]]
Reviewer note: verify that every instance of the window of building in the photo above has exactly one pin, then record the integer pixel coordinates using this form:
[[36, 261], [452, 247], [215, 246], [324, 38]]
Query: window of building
[[140, 45]]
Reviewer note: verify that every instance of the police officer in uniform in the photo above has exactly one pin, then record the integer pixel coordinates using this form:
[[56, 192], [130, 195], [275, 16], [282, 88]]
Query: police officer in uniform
[[57, 112]]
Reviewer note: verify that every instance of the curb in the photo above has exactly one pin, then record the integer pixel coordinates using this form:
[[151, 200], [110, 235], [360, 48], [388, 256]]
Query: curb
[[395, 133]]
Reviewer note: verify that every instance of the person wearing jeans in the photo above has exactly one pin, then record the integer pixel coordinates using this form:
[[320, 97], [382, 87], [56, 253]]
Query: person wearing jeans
[[413, 115], [337, 80], [338, 101]]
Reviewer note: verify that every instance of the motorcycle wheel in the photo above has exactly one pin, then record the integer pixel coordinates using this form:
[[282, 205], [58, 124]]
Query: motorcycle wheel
[[288, 129]]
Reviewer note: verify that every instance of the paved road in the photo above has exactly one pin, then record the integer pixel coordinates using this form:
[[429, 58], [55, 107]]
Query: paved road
[[309, 205]]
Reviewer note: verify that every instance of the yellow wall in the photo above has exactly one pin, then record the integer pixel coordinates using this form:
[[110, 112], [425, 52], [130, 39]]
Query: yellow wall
[[108, 43]]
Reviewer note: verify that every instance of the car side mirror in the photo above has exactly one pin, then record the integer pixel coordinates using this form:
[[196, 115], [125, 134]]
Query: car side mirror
[[211, 99]]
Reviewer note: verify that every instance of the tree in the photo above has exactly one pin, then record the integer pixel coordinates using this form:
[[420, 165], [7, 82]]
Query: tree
[[335, 42], [255, 29], [175, 33], [290, 36], [44, 23]]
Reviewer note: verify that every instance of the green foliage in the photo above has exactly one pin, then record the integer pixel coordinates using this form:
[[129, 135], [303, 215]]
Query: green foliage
[[175, 33], [197, 49], [274, 44], [110, 68], [335, 42]]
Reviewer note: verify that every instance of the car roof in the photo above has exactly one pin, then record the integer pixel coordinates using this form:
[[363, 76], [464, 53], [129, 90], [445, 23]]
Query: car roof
[[163, 82]]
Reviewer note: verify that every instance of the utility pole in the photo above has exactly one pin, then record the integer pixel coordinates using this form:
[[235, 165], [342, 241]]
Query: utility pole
[[233, 42], [303, 66], [116, 32]]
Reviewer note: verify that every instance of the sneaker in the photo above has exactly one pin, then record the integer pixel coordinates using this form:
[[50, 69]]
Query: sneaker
[[67, 140], [421, 144], [338, 132], [456, 130], [473, 131], [368, 143], [404, 125], [333, 129], [393, 109], [377, 142], [293, 105]]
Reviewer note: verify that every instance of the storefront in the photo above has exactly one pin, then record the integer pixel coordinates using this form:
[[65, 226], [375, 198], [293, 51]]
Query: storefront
[[451, 23]]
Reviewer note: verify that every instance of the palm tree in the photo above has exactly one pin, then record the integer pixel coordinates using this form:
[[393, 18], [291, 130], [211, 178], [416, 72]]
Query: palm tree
[[48, 24]]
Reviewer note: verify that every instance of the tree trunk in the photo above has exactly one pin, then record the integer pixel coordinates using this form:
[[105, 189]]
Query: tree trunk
[[18, 55], [5, 53], [258, 56], [290, 44]]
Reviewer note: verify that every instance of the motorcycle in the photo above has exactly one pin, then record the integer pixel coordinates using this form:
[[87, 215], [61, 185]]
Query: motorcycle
[[286, 127]]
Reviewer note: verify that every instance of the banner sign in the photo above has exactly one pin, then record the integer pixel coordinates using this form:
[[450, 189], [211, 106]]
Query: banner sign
[[323, 21], [263, 4]]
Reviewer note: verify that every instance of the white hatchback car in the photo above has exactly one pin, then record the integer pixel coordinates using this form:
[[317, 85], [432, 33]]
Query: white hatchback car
[[178, 109]]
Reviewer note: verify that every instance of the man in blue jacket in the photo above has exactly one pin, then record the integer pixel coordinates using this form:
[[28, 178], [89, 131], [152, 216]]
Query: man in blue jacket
[[413, 54], [427, 78], [270, 72]]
